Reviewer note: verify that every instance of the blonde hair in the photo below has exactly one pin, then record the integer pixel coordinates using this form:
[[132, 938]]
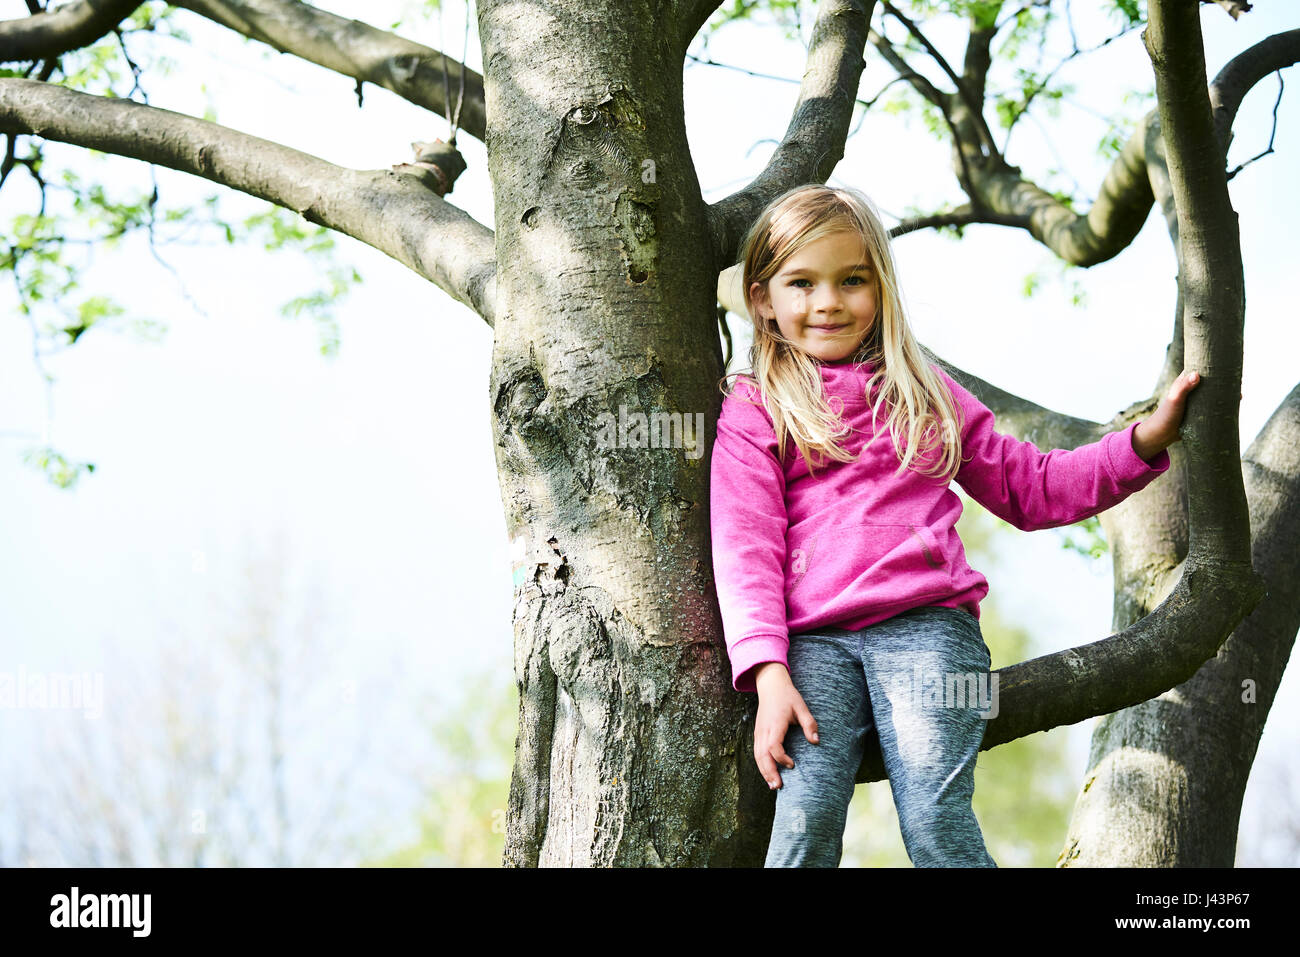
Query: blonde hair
[[921, 407]]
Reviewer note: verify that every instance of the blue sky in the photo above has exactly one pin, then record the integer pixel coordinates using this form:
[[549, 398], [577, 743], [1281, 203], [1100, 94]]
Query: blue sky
[[374, 470]]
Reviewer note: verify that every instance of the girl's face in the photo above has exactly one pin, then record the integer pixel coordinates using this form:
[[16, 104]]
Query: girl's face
[[824, 296]]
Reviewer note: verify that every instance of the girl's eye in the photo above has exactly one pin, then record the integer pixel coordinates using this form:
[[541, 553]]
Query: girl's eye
[[859, 280]]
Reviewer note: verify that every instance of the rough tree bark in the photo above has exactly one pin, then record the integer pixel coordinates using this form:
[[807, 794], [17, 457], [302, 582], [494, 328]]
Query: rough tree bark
[[628, 738]]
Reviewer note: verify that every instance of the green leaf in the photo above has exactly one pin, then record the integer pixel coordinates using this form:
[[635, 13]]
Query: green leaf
[[1086, 538], [1031, 284], [58, 469], [1129, 11]]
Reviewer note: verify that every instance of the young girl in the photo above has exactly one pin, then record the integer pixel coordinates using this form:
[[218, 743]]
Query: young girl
[[844, 589]]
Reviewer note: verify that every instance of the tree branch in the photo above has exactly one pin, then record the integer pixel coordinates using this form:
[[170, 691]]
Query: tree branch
[[998, 190], [1243, 71], [1212, 284], [963, 93], [1126, 194], [939, 99], [1081, 239], [689, 16], [393, 212], [354, 49], [979, 55], [1026, 420], [43, 36], [814, 139], [904, 70], [964, 215]]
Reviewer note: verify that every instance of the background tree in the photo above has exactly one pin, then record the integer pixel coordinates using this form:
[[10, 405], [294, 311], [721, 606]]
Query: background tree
[[598, 282], [237, 740]]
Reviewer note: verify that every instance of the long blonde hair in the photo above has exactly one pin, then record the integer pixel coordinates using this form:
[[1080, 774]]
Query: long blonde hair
[[921, 407]]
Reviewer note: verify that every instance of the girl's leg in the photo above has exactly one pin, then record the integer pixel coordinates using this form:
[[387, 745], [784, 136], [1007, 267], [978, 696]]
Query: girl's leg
[[813, 800], [927, 676]]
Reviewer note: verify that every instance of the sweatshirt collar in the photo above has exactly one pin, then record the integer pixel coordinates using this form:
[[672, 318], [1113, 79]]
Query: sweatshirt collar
[[845, 363]]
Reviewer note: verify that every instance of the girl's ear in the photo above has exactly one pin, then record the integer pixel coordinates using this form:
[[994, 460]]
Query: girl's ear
[[758, 293]]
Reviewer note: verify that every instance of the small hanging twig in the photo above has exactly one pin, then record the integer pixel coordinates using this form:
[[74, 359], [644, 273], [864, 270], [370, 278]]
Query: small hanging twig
[[1272, 133]]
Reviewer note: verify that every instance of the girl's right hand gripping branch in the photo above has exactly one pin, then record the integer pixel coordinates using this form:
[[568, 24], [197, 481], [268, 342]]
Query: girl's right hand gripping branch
[[779, 706]]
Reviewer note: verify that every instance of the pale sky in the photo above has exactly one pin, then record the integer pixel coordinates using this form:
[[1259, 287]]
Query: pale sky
[[376, 468]]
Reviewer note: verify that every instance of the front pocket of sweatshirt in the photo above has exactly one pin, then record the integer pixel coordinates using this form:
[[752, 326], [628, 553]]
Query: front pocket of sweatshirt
[[930, 547]]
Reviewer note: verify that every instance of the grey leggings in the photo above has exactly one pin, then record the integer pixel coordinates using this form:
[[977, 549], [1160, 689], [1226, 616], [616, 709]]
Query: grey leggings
[[914, 678]]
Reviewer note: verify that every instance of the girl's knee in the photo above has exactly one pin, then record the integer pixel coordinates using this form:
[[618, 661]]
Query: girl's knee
[[944, 840]]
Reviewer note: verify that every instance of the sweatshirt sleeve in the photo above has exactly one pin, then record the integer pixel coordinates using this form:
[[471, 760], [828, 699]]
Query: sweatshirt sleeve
[[748, 523], [1033, 490]]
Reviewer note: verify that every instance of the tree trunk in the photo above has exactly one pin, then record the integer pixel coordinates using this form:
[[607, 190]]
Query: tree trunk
[[632, 750]]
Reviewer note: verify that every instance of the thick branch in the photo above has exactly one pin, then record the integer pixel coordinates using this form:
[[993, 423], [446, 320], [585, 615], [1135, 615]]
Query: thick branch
[[393, 212], [1212, 284], [1127, 192], [1081, 239], [689, 16], [979, 55], [1000, 193], [1226, 93], [355, 49], [814, 139], [1028, 421], [43, 36]]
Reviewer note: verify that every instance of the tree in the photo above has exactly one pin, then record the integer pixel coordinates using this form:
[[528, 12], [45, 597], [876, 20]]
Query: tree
[[599, 283]]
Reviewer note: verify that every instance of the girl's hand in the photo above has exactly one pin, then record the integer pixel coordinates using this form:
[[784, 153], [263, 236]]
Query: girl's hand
[[779, 706], [1154, 434]]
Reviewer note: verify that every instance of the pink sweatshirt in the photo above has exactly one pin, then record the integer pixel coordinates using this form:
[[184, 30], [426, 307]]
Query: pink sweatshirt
[[856, 544]]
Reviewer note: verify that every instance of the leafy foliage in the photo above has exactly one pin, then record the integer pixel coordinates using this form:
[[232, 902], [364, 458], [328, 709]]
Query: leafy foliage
[[1086, 538], [1131, 12], [58, 469]]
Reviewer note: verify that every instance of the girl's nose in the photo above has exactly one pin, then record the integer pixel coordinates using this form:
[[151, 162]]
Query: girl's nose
[[826, 299]]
